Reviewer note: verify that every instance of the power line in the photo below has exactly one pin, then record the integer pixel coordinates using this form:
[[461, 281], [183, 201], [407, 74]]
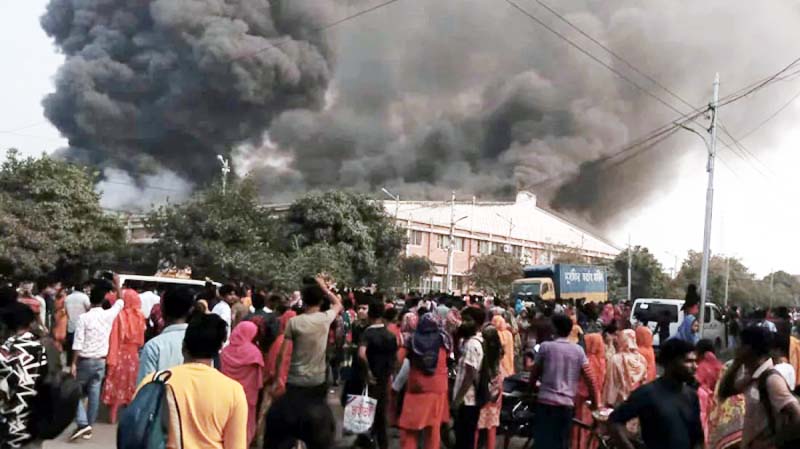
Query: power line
[[325, 27], [141, 186], [771, 116], [31, 125]]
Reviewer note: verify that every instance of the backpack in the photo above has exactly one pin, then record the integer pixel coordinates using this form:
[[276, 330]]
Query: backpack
[[57, 395], [144, 423], [764, 398]]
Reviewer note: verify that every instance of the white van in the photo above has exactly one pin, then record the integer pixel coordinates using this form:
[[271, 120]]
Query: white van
[[158, 282], [650, 309]]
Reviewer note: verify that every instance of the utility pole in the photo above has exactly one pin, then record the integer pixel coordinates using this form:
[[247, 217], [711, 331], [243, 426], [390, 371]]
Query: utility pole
[[771, 288], [727, 279], [451, 245], [630, 264], [712, 153], [226, 168]]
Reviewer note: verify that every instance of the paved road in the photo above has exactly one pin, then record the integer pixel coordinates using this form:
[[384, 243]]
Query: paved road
[[104, 435]]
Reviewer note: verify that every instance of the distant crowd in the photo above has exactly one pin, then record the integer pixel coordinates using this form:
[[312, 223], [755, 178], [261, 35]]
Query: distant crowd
[[249, 366]]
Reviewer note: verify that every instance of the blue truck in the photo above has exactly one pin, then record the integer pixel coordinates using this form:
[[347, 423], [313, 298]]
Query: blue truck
[[562, 281]]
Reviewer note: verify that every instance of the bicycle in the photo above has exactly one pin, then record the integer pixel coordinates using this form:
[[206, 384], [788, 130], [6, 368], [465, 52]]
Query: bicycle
[[598, 436]]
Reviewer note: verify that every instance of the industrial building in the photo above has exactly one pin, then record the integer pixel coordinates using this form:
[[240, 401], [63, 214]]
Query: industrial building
[[521, 228]]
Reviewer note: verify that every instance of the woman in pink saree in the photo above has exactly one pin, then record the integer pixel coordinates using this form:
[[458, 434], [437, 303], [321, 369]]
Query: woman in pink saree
[[243, 362]]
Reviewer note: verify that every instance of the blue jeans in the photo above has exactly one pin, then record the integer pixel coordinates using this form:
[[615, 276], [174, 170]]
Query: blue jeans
[[91, 373]]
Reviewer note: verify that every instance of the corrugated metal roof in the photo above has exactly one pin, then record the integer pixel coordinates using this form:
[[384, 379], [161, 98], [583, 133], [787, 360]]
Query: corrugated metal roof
[[523, 219]]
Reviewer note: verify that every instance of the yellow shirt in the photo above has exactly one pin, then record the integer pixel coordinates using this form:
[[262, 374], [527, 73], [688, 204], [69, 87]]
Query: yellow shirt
[[212, 409]]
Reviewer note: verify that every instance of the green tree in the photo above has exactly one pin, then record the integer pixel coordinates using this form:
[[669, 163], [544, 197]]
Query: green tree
[[414, 268], [494, 273], [781, 289], [647, 275], [365, 237], [743, 288], [220, 235], [51, 219]]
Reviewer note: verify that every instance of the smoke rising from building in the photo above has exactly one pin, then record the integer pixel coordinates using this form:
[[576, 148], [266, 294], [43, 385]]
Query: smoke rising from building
[[422, 97]]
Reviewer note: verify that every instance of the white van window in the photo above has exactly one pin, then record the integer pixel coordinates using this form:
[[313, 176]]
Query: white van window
[[652, 312], [707, 318]]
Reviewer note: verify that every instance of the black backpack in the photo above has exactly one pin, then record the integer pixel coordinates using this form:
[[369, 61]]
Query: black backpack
[[763, 395]]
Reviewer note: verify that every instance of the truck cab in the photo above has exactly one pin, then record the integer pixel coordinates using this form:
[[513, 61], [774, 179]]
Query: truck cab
[[532, 287]]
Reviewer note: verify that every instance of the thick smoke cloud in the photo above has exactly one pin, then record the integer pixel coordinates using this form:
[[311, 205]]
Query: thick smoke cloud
[[422, 97], [173, 83], [471, 96]]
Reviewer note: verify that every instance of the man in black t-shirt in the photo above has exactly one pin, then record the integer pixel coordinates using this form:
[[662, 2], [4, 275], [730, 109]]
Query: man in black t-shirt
[[667, 408], [377, 350]]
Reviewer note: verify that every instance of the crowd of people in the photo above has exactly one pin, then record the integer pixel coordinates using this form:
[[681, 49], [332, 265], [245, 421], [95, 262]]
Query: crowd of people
[[253, 367]]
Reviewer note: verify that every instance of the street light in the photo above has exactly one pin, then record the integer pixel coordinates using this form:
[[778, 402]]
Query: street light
[[226, 168], [510, 222], [396, 199]]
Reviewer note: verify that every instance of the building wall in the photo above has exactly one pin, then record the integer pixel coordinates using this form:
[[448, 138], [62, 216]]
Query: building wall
[[431, 241]]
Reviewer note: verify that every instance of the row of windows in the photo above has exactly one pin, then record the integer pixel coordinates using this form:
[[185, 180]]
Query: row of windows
[[484, 247]]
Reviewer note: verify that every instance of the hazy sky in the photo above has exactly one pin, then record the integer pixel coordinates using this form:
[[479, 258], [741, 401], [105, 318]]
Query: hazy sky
[[755, 208]]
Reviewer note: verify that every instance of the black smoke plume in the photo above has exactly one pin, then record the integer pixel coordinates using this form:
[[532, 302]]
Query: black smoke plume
[[172, 83], [422, 97]]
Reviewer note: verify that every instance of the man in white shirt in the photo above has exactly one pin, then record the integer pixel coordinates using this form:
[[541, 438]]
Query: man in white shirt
[[90, 348], [77, 303], [149, 298], [223, 308]]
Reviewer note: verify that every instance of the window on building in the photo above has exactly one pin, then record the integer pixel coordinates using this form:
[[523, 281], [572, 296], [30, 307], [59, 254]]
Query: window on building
[[415, 238], [516, 250], [484, 247], [460, 244], [441, 241]]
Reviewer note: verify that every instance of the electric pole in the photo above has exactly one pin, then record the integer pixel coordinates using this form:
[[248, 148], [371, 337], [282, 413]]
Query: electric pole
[[727, 279], [630, 264], [451, 245], [712, 153]]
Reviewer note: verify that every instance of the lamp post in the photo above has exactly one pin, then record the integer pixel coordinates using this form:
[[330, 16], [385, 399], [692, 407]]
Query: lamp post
[[396, 199], [226, 168]]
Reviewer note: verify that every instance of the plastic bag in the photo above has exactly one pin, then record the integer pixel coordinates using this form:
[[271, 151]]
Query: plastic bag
[[359, 413]]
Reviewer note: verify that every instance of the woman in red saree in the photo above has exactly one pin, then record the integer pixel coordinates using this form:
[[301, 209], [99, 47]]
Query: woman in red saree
[[644, 340], [243, 362], [707, 375], [127, 337], [596, 353]]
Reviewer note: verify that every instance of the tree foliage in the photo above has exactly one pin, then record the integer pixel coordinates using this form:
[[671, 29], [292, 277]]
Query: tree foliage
[[51, 219], [743, 288], [220, 235], [647, 275], [414, 268], [230, 236], [359, 229], [494, 273]]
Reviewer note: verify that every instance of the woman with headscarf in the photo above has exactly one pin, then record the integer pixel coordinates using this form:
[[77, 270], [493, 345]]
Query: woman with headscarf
[[627, 370], [689, 329], [596, 353], [60, 320], [407, 329], [607, 316], [707, 375], [726, 420], [507, 343], [243, 362], [644, 340], [426, 404], [492, 370], [127, 337], [274, 376]]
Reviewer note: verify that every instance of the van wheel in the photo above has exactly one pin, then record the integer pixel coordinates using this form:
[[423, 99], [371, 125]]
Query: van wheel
[[718, 344]]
